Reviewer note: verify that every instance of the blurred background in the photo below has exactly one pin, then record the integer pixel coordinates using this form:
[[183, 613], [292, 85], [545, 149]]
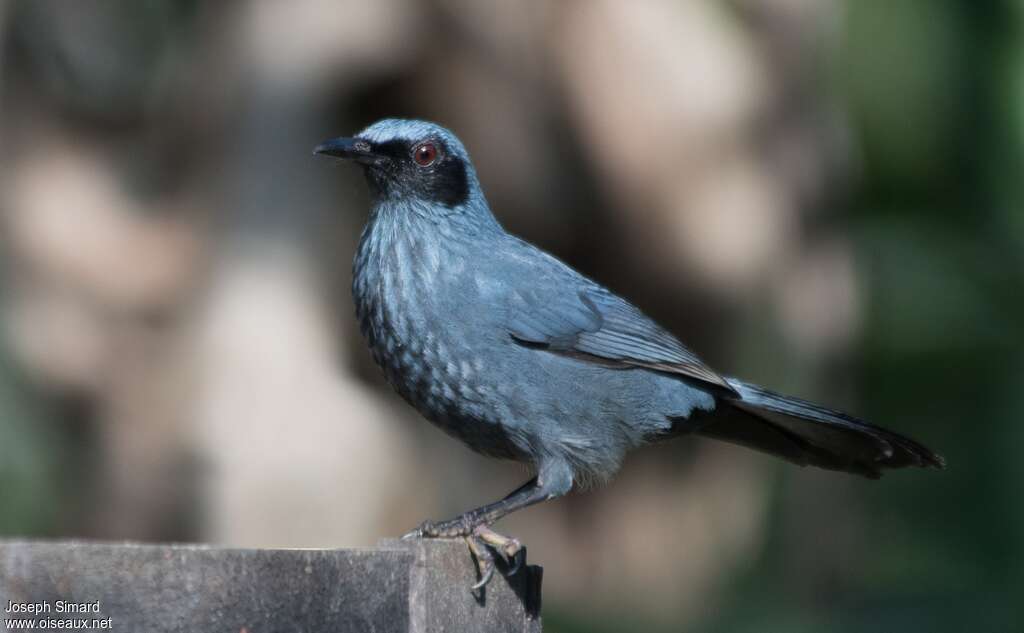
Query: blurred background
[[821, 196]]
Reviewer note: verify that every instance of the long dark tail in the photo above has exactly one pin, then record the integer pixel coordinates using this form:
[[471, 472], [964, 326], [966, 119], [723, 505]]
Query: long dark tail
[[805, 433]]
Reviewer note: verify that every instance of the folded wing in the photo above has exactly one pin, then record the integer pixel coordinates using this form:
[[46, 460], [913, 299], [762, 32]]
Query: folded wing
[[594, 325]]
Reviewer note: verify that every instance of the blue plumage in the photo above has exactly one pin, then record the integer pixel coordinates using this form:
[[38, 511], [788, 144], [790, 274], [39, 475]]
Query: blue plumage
[[513, 352]]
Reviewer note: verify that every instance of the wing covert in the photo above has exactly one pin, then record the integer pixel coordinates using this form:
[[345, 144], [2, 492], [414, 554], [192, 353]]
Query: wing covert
[[597, 326]]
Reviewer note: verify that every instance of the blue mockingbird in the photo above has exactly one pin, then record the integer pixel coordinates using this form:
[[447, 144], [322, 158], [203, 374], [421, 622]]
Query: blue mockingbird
[[521, 357]]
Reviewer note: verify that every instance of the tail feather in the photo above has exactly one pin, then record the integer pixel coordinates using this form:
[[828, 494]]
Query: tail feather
[[807, 434]]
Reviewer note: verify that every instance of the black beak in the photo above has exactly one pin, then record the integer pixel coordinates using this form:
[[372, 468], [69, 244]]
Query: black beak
[[356, 149]]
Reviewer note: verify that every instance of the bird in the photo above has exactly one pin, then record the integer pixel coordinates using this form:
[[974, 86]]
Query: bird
[[521, 357]]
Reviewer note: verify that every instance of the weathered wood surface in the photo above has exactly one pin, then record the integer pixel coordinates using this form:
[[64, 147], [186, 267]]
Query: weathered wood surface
[[420, 586]]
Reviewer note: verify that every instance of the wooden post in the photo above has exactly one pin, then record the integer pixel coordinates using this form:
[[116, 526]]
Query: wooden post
[[399, 586]]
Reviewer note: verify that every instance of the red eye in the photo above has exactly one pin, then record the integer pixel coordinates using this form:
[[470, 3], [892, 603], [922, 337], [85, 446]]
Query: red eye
[[425, 154]]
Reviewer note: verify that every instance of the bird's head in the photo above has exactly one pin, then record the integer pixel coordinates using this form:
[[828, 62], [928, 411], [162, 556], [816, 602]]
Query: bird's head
[[416, 162]]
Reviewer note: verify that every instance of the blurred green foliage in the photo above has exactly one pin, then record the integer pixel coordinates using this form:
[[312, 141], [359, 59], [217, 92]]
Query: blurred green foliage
[[33, 452]]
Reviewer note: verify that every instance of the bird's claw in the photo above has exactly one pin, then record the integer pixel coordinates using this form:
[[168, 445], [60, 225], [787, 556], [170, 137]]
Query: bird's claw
[[483, 543], [518, 560], [484, 561], [511, 550], [482, 540], [413, 534]]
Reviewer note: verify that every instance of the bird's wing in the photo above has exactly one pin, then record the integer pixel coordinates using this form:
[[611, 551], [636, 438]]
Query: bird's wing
[[593, 324]]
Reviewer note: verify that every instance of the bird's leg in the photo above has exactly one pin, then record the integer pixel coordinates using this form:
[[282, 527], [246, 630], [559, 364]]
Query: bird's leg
[[473, 526], [554, 480], [464, 524]]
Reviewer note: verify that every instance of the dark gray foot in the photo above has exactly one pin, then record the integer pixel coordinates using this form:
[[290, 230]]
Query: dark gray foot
[[462, 525], [483, 543]]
